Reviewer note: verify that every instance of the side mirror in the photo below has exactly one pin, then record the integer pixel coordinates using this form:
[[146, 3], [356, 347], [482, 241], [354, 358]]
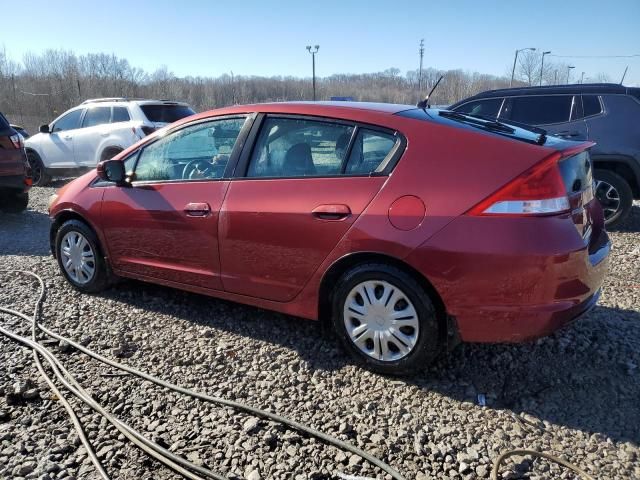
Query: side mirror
[[112, 171], [44, 129]]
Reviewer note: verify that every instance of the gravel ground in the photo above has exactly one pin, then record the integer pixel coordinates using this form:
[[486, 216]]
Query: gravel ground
[[576, 393]]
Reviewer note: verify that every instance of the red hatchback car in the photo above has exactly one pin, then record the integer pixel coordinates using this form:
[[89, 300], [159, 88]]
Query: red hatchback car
[[401, 227]]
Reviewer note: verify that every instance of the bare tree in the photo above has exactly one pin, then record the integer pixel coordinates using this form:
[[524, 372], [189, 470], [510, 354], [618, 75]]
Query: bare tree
[[529, 63]]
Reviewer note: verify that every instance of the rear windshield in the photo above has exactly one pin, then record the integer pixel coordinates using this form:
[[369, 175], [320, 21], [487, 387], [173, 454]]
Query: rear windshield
[[166, 113]]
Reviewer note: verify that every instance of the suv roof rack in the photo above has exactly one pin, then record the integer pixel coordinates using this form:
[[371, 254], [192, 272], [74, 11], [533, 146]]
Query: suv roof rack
[[105, 99], [125, 99]]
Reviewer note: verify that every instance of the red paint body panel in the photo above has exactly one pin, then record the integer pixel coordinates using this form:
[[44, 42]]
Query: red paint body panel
[[265, 241], [149, 232], [272, 242]]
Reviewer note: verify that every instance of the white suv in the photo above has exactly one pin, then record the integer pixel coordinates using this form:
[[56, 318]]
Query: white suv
[[96, 130]]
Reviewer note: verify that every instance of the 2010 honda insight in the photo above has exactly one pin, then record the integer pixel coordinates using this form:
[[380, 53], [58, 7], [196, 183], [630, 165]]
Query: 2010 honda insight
[[400, 227]]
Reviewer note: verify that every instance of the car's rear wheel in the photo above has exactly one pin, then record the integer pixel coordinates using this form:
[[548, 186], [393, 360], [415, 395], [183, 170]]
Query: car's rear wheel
[[80, 257], [385, 319], [38, 171], [615, 195], [14, 202]]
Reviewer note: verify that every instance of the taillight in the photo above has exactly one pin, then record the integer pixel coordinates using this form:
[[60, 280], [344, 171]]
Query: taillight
[[17, 140], [538, 191], [147, 130]]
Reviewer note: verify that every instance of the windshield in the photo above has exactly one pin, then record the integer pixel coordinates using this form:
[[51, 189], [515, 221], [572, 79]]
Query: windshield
[[166, 113]]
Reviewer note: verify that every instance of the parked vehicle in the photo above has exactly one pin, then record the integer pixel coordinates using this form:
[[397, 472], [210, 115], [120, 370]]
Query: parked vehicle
[[605, 113], [401, 228], [15, 180], [96, 130], [21, 130]]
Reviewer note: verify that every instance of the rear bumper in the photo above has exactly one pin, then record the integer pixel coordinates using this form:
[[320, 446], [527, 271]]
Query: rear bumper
[[17, 183], [514, 280]]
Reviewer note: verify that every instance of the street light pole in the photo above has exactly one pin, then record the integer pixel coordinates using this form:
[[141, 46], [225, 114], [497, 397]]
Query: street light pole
[[421, 51], [542, 65], [569, 72], [513, 70], [582, 78], [313, 63]]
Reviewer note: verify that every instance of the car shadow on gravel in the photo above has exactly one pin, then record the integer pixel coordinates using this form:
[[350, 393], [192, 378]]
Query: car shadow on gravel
[[584, 377], [28, 227]]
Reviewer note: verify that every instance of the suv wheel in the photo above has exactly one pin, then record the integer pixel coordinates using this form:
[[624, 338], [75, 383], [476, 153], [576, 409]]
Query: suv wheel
[[614, 194], [14, 202], [385, 319], [80, 258], [38, 171]]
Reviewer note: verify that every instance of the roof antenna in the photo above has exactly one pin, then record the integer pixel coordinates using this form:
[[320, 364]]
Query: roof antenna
[[624, 74], [424, 104]]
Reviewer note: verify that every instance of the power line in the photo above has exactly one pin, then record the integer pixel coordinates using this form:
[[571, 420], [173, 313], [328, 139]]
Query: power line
[[596, 56]]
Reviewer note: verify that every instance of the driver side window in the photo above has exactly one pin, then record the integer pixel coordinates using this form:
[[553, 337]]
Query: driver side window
[[197, 152]]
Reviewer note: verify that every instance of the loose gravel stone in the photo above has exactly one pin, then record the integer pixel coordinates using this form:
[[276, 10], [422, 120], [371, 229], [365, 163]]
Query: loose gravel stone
[[574, 393]]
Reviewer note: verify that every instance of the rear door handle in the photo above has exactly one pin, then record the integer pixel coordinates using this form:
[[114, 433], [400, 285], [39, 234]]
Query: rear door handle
[[331, 212], [197, 209]]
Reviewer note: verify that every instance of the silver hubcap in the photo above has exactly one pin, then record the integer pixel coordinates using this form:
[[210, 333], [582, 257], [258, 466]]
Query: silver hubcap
[[381, 320], [78, 258], [608, 197]]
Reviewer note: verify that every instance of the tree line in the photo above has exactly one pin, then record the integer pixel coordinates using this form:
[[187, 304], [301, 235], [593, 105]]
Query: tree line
[[42, 86]]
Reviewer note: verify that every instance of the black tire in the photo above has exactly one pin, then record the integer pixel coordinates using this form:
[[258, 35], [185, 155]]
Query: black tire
[[428, 344], [14, 202], [100, 279], [623, 192], [39, 173], [109, 153]]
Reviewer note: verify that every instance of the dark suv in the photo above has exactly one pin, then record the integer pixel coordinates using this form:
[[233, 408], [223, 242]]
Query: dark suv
[[15, 177], [608, 114]]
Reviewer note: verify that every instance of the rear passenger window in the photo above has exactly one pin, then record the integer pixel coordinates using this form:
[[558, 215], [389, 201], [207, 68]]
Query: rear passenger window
[[289, 147], [541, 110], [369, 151], [485, 108], [591, 105], [96, 116], [120, 114]]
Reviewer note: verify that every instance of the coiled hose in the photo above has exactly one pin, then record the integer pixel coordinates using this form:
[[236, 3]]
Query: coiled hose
[[171, 460]]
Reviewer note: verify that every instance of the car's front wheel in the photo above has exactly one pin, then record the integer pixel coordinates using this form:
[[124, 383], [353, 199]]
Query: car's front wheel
[[385, 319], [80, 258], [615, 195]]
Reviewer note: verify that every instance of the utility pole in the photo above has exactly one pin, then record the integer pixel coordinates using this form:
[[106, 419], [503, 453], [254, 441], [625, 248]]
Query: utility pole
[[421, 56], [582, 78], [313, 64], [513, 71], [555, 77], [233, 89], [542, 65], [569, 72]]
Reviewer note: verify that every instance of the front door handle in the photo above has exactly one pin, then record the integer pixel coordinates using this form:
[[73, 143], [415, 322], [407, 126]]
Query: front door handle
[[197, 209], [68, 137], [331, 212]]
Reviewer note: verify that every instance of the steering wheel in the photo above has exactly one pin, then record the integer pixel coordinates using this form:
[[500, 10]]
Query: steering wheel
[[197, 169]]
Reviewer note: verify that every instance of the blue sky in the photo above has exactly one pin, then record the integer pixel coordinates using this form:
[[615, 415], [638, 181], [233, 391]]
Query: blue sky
[[208, 38]]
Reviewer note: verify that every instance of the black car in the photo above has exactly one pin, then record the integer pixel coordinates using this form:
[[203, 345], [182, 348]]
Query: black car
[[21, 130], [605, 113], [15, 178]]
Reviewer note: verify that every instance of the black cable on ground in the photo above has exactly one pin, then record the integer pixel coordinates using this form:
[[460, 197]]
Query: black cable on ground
[[149, 447], [171, 460]]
